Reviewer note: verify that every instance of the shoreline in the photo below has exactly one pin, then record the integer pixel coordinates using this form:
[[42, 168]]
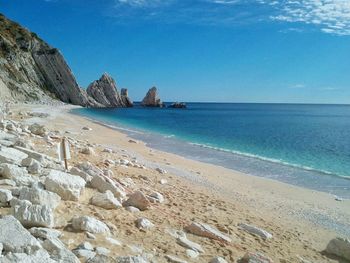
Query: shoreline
[[302, 220], [244, 163]]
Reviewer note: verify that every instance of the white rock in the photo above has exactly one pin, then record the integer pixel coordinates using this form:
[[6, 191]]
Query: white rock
[[40, 157], [37, 129], [218, 260], [339, 247], [144, 224], [163, 181], [59, 252], [132, 209], [39, 256], [204, 230], [11, 155], [103, 183], [89, 224], [105, 200], [87, 151], [89, 168], [90, 236], [84, 254], [174, 259], [102, 251], [255, 258], [130, 259], [7, 182], [82, 174], [5, 195], [114, 241], [107, 150], [255, 231], [191, 253], [138, 200], [33, 215], [34, 167], [87, 129], [183, 241], [17, 174], [85, 246], [15, 238], [68, 187], [156, 198], [45, 233], [40, 197]]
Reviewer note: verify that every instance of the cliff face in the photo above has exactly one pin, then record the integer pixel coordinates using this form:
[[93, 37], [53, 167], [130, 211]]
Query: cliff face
[[105, 92], [152, 99], [31, 70]]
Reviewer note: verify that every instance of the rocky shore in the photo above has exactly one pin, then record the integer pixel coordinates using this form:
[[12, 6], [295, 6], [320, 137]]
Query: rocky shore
[[111, 206]]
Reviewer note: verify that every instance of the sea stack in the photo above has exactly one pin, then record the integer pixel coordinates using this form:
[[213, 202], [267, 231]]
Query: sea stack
[[152, 99], [105, 92]]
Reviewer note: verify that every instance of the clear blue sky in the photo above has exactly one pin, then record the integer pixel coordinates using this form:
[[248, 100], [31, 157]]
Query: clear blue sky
[[202, 50]]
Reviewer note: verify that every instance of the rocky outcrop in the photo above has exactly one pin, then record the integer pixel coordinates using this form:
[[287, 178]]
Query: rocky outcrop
[[152, 99], [31, 70], [105, 92]]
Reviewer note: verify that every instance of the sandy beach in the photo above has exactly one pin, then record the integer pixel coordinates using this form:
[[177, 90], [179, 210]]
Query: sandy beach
[[301, 221]]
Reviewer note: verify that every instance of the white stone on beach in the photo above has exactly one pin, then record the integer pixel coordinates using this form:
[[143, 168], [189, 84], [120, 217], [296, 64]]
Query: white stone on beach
[[138, 200], [113, 241], [102, 251], [38, 256], [89, 224], [17, 174], [204, 230], [82, 174], [15, 238], [218, 260], [131, 259], [90, 169], [132, 209], [84, 254], [103, 183], [40, 157], [5, 195], [255, 258], [163, 181], [40, 197], [105, 200], [11, 155], [156, 197], [7, 182], [45, 233], [339, 247], [192, 253], [183, 241], [107, 150], [174, 259], [33, 215], [37, 129], [85, 128], [87, 151], [144, 224], [58, 251], [161, 171], [255, 231], [68, 187]]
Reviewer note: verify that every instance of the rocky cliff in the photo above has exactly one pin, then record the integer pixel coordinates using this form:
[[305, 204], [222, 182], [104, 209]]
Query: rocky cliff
[[152, 99], [105, 92], [31, 70]]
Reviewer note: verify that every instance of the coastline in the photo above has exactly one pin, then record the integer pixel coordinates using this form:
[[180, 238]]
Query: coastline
[[302, 220]]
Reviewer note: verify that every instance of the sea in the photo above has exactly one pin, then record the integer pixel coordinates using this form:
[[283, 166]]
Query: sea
[[305, 145]]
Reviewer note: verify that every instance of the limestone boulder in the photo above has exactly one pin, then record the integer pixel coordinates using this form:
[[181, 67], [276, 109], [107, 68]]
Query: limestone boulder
[[204, 230], [144, 224], [45, 233], [39, 196], [11, 155], [5, 196], [89, 224], [59, 252], [256, 257], [15, 238], [105, 200], [138, 200], [255, 231], [103, 184], [39, 256], [33, 215], [67, 186], [37, 129], [18, 174]]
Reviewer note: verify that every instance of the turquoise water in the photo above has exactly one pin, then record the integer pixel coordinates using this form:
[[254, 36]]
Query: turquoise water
[[307, 145]]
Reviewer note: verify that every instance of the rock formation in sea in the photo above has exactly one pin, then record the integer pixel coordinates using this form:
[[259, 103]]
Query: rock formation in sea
[[33, 71], [152, 99], [105, 92]]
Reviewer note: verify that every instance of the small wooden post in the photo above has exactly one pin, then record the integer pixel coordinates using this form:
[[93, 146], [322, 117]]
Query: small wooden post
[[64, 153]]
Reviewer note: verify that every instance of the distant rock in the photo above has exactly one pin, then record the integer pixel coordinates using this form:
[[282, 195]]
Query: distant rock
[[178, 105], [89, 224], [204, 230], [255, 231], [105, 92], [151, 99], [138, 200]]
